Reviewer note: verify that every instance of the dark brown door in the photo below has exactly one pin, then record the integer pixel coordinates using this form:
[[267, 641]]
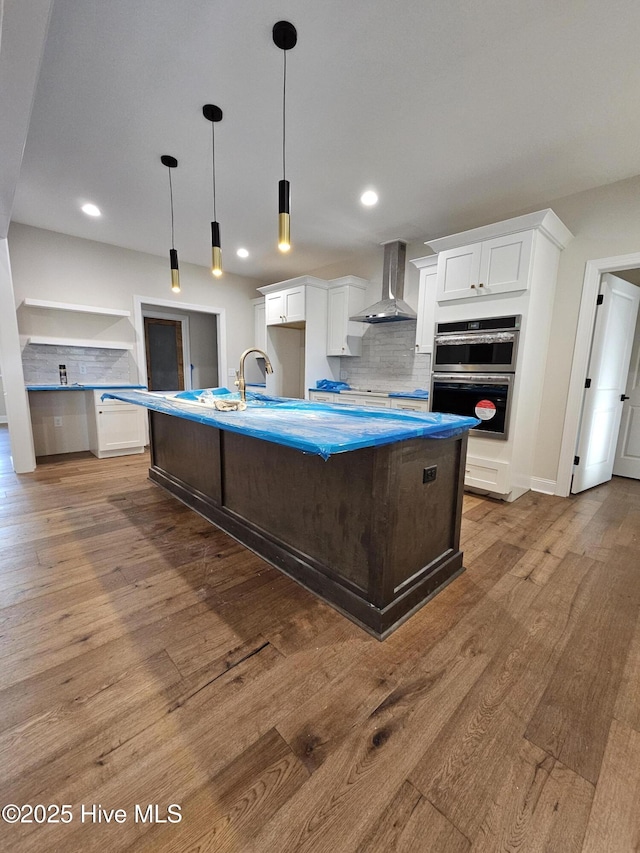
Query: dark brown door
[[163, 344]]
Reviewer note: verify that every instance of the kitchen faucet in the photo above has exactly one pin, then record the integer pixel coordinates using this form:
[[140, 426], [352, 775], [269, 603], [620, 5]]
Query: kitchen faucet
[[240, 382]]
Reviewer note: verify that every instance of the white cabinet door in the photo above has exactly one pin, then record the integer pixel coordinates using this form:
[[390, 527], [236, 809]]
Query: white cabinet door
[[274, 308], [426, 309], [500, 265], [259, 325], [116, 428], [344, 337], [286, 306], [120, 427], [294, 308], [338, 305], [505, 264], [458, 272]]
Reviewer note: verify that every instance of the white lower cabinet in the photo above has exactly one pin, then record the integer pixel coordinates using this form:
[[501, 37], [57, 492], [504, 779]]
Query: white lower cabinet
[[115, 428], [487, 474], [406, 404], [371, 402], [324, 397], [409, 405]]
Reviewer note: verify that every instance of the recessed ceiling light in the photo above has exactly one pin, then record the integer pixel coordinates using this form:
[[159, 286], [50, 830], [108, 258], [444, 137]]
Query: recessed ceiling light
[[91, 210], [242, 253], [369, 198]]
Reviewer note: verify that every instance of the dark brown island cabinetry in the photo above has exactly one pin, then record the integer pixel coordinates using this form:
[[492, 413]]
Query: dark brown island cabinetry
[[374, 532]]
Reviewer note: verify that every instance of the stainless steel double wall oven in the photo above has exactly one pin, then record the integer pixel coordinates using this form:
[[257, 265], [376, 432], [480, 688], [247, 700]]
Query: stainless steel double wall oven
[[474, 363]]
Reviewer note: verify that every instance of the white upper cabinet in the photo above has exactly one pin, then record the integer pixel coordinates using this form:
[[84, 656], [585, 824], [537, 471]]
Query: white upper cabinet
[[285, 306], [481, 270], [346, 297], [259, 325], [426, 302]]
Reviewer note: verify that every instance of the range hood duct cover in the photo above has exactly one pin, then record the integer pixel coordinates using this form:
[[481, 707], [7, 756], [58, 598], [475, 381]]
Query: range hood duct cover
[[392, 306]]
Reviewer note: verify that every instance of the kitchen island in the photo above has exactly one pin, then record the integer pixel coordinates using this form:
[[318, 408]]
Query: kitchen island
[[363, 508]]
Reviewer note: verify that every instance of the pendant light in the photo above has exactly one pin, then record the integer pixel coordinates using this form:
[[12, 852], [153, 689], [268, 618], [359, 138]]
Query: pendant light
[[284, 37], [171, 163], [214, 114]]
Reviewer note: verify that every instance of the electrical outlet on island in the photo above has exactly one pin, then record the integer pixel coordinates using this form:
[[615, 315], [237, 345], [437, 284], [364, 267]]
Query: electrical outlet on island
[[82, 369]]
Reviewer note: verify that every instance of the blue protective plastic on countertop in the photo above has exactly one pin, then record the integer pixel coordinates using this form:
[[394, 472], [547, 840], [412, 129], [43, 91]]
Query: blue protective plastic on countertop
[[76, 386], [419, 393], [331, 385], [305, 425]]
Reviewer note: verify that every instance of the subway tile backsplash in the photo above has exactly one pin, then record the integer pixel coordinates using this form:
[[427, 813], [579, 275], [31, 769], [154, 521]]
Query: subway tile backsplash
[[389, 361], [40, 364]]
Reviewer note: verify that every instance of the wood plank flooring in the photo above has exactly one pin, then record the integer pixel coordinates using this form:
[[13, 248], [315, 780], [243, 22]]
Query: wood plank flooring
[[148, 659]]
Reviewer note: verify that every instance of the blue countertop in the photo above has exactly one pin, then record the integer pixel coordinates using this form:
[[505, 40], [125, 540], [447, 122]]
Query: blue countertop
[[82, 387], [305, 425]]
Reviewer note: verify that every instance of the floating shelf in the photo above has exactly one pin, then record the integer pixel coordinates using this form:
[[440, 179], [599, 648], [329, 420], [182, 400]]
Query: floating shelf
[[82, 309], [75, 342]]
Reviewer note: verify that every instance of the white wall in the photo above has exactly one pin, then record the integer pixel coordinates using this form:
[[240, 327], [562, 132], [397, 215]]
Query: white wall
[[48, 265]]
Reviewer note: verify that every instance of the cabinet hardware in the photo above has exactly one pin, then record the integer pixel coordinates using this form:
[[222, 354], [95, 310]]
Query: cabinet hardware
[[623, 397], [481, 284], [473, 287]]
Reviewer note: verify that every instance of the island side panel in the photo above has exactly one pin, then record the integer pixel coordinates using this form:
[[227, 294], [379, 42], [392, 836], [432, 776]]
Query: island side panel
[[188, 452], [425, 513], [322, 509]]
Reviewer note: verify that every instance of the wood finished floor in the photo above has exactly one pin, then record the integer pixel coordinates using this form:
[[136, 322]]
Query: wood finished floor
[[147, 658]]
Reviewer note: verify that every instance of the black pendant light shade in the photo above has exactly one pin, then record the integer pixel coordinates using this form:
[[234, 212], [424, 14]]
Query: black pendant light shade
[[171, 163], [214, 114], [285, 37]]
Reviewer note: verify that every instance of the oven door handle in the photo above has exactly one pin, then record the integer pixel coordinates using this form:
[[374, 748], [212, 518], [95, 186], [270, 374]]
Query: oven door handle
[[475, 378], [476, 338]]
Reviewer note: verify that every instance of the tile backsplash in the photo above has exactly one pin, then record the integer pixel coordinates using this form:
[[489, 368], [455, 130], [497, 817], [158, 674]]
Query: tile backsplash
[[40, 364], [389, 361]]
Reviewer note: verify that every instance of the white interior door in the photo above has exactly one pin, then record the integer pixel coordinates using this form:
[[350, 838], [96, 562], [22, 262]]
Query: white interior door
[[627, 462], [608, 368]]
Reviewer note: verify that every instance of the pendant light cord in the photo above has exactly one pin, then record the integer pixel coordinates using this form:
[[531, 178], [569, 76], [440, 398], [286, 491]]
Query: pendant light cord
[[213, 169], [171, 197], [284, 110]]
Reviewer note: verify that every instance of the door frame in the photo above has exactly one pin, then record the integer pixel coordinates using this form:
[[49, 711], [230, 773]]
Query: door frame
[[153, 302], [594, 269], [153, 314]]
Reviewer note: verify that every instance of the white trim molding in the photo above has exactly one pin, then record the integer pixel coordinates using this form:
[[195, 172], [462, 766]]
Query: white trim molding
[[546, 487]]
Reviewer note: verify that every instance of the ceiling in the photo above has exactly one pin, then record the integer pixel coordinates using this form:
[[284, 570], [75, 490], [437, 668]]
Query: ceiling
[[458, 113]]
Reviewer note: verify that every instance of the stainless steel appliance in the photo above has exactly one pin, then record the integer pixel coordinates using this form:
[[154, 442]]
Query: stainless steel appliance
[[473, 371], [480, 395], [392, 307], [486, 345]]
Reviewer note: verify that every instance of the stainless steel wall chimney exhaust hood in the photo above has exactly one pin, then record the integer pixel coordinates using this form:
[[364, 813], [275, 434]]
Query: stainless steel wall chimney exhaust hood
[[391, 307]]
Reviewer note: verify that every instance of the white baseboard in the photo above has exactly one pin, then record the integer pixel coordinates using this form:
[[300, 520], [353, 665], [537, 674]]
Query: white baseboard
[[547, 487], [4, 419]]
